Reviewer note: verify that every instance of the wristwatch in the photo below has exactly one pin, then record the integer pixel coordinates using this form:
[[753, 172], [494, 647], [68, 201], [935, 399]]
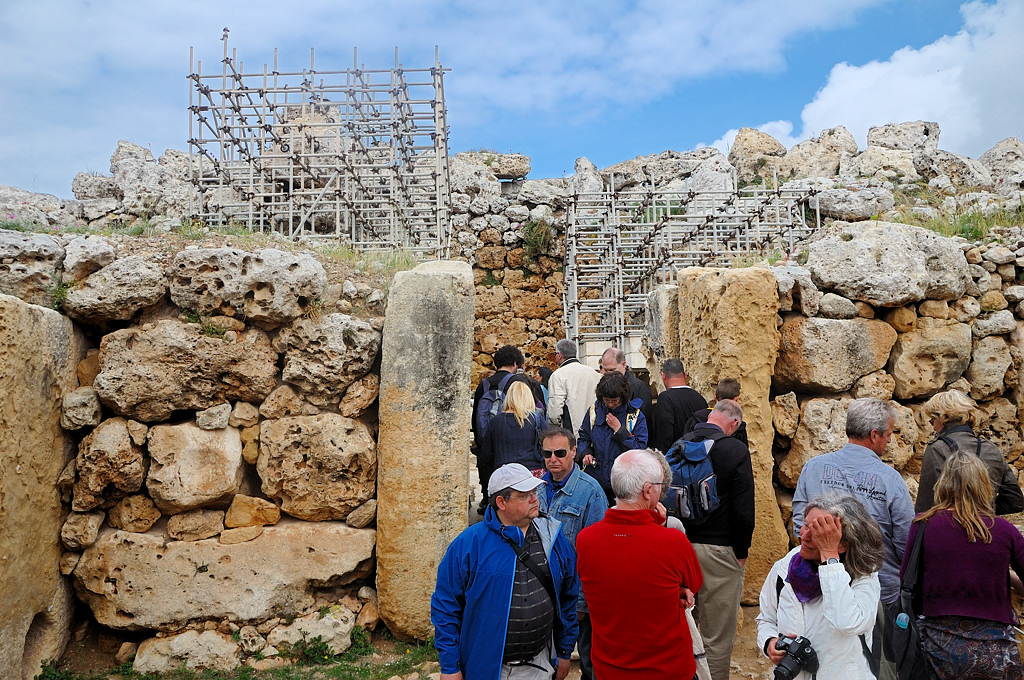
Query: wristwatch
[[832, 560]]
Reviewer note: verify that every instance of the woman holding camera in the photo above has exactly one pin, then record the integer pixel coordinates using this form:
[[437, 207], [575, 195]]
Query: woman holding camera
[[819, 602], [967, 630]]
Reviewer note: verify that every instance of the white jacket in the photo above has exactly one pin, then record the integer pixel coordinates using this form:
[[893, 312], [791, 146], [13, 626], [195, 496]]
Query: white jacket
[[833, 622], [573, 383]]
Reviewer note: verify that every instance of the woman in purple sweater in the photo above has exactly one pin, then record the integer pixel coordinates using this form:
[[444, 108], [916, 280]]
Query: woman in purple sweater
[[965, 578]]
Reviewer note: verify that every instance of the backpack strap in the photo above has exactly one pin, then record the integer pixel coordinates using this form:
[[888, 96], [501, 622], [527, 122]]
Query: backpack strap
[[631, 419], [953, 446]]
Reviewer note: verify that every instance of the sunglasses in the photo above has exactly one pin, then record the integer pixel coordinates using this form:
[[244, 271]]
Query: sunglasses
[[561, 453]]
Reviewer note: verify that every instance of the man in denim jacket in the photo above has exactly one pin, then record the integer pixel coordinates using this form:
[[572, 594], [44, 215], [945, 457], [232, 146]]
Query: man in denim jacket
[[577, 501]]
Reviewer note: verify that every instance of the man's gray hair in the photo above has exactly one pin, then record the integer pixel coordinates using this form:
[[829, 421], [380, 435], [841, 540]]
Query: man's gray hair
[[673, 368], [617, 355], [730, 408], [867, 414], [864, 552], [632, 469], [566, 347]]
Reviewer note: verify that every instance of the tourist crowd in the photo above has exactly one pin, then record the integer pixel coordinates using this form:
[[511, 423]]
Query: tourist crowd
[[594, 539]]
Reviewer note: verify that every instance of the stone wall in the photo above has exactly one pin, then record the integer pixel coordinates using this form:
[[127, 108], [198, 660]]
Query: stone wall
[[39, 352]]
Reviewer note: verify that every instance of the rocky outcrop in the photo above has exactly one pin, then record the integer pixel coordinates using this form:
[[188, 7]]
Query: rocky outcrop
[[30, 267], [501, 165], [196, 371], [819, 157], [39, 350], [277, 574], [116, 292], [424, 437], [887, 264], [755, 155], [914, 136], [1005, 164]]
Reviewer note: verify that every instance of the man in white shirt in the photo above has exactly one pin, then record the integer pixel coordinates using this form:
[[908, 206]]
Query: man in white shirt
[[571, 388]]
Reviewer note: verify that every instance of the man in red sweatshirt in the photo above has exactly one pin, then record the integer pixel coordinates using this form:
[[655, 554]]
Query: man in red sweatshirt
[[634, 571]]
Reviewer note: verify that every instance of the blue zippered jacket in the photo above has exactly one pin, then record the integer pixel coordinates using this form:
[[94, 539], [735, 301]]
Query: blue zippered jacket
[[608, 444], [470, 605]]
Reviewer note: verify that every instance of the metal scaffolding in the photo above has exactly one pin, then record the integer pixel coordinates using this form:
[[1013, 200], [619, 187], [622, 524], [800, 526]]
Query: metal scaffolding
[[359, 155], [620, 245]]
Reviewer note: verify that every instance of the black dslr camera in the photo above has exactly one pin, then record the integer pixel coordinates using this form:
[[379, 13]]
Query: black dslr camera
[[800, 656]]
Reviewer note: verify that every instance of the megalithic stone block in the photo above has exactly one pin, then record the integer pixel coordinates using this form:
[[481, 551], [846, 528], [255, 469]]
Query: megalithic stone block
[[423, 445]]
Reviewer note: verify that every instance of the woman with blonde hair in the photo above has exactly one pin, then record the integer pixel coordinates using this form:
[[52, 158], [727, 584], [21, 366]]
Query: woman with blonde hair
[[954, 416], [513, 436], [967, 630]]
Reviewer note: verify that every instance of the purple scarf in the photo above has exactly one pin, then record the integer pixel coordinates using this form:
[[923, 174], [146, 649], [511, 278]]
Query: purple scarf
[[803, 576]]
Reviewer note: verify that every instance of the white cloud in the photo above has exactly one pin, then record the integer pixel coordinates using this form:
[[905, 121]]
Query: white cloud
[[971, 83]]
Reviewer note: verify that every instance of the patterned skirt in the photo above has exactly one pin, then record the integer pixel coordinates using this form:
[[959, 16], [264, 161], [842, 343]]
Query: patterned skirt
[[961, 648]]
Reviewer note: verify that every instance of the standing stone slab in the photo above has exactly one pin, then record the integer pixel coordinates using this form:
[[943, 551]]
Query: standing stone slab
[[423, 446], [728, 318], [39, 352]]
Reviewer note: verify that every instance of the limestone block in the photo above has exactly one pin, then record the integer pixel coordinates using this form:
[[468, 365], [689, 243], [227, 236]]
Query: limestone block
[[855, 205], [820, 156], [876, 162], [207, 580], [214, 418], [191, 649], [318, 467], [250, 640], [472, 179], [240, 534], [84, 255], [797, 292], [905, 435], [501, 165], [864, 310], [1000, 423], [81, 529], [987, 372], [993, 301], [87, 185], [193, 468], [364, 515], [662, 329], [964, 310], [729, 317], [68, 562], [268, 287], [324, 356], [534, 305], [785, 414], [822, 429], [936, 309], [423, 445], [148, 372], [553, 192], [962, 172], [918, 135], [250, 444], [117, 292], [29, 266], [248, 511], [586, 180], [80, 408], [934, 354], [334, 628], [901, 318], [996, 324], [110, 465], [135, 513], [244, 415], [195, 525], [755, 155], [39, 353], [1005, 163], [369, 616], [888, 264], [147, 187], [879, 385], [837, 307], [285, 401], [359, 396], [829, 355]]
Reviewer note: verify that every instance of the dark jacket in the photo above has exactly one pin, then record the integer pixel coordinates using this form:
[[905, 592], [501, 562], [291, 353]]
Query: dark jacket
[[640, 391], [492, 382], [1008, 497], [675, 407], [606, 445], [506, 442], [732, 523], [701, 416]]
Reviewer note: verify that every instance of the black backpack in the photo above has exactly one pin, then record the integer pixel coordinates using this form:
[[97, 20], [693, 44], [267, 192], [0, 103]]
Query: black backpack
[[490, 404]]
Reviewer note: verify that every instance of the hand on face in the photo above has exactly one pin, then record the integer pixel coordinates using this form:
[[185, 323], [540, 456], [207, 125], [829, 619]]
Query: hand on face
[[821, 536]]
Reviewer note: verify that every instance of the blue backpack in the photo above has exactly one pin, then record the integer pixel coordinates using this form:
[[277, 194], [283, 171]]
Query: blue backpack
[[693, 494], [490, 404]]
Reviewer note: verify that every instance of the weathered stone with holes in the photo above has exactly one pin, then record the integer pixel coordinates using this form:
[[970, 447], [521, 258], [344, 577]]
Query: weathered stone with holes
[[206, 650], [423, 470], [195, 525], [755, 155], [829, 355], [110, 465], [879, 385], [196, 371], [501, 165], [822, 429], [268, 287], [135, 513], [117, 292], [29, 266], [293, 560], [333, 627], [318, 467], [820, 156], [85, 255], [916, 135], [324, 356], [1005, 163], [987, 372], [193, 468], [80, 408], [797, 292], [81, 529], [931, 356]]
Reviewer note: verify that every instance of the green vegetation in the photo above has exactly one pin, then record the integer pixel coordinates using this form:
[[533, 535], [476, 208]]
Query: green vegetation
[[971, 225], [209, 327], [537, 238], [489, 280], [59, 293]]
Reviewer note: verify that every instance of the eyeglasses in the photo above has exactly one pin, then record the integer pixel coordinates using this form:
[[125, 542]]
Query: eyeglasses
[[658, 483], [560, 453]]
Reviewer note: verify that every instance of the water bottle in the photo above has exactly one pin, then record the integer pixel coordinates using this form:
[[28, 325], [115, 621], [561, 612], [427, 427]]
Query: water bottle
[[902, 620]]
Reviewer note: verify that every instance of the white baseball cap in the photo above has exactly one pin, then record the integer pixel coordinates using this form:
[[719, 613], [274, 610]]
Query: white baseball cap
[[514, 475]]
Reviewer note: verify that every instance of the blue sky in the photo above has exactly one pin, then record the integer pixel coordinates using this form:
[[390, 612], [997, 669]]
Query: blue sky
[[605, 79]]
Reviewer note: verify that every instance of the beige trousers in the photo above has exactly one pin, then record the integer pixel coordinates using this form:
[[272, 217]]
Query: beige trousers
[[718, 602]]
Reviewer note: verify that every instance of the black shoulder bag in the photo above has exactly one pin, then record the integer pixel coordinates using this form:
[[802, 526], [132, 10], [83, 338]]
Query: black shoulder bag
[[906, 643]]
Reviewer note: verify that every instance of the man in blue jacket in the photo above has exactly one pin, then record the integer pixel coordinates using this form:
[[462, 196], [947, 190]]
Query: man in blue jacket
[[505, 601]]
